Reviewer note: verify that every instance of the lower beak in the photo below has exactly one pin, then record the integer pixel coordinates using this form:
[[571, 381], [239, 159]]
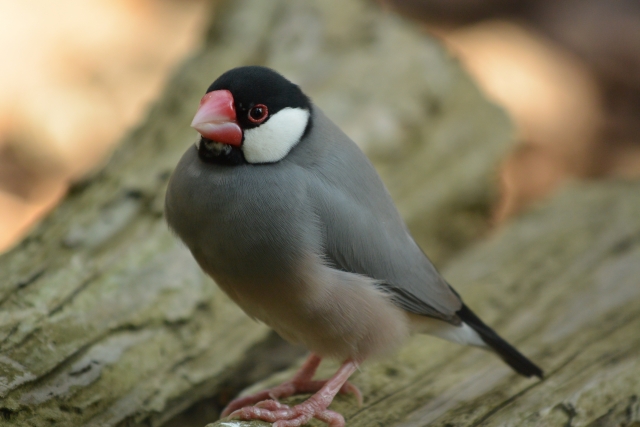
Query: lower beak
[[216, 118]]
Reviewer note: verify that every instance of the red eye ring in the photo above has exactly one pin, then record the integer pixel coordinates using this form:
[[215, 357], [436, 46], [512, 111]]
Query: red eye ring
[[258, 113]]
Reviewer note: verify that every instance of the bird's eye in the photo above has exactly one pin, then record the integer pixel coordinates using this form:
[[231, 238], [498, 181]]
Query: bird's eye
[[258, 113]]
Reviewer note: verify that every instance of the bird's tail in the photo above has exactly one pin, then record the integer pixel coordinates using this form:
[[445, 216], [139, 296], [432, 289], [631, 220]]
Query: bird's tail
[[506, 351]]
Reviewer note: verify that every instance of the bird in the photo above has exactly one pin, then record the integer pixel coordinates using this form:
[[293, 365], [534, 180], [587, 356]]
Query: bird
[[291, 220]]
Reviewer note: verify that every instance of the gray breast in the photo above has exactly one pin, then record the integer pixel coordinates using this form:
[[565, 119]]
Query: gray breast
[[246, 221]]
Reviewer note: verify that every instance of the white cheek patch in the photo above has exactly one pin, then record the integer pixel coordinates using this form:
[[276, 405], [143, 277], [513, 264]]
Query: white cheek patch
[[274, 139]]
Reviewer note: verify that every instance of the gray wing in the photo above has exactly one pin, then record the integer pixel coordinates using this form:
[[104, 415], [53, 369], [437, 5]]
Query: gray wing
[[362, 229]]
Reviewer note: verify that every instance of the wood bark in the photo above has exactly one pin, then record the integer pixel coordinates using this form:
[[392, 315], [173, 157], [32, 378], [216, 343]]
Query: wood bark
[[105, 319]]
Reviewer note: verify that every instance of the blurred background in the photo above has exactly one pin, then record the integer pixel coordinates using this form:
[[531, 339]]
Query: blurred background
[[78, 74]]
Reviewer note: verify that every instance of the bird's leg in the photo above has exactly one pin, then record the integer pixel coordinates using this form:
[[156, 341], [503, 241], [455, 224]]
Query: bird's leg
[[314, 407], [300, 383]]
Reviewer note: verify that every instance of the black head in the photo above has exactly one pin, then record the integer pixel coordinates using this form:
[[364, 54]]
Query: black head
[[255, 85], [261, 98]]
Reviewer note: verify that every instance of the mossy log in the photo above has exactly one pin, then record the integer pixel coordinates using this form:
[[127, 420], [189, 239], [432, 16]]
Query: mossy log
[[562, 284], [105, 319]]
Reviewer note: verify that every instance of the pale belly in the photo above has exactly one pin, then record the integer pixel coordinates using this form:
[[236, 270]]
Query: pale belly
[[334, 314]]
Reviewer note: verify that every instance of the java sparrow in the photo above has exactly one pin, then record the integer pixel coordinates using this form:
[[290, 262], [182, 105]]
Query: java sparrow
[[288, 216]]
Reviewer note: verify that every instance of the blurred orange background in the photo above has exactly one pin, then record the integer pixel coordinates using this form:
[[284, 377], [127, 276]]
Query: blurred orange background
[[78, 74], [568, 73]]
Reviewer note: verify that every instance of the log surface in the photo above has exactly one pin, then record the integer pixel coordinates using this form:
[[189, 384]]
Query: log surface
[[105, 319]]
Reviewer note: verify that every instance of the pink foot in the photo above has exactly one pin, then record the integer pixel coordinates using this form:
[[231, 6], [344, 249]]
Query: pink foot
[[284, 416], [314, 407], [301, 383]]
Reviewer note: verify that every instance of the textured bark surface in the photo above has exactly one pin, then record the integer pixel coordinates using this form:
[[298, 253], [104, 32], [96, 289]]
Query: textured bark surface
[[563, 285], [105, 320]]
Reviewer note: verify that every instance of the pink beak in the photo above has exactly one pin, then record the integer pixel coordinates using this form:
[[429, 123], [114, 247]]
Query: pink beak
[[216, 118]]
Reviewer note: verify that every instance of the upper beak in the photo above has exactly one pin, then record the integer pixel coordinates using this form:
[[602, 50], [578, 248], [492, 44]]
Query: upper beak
[[216, 118]]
